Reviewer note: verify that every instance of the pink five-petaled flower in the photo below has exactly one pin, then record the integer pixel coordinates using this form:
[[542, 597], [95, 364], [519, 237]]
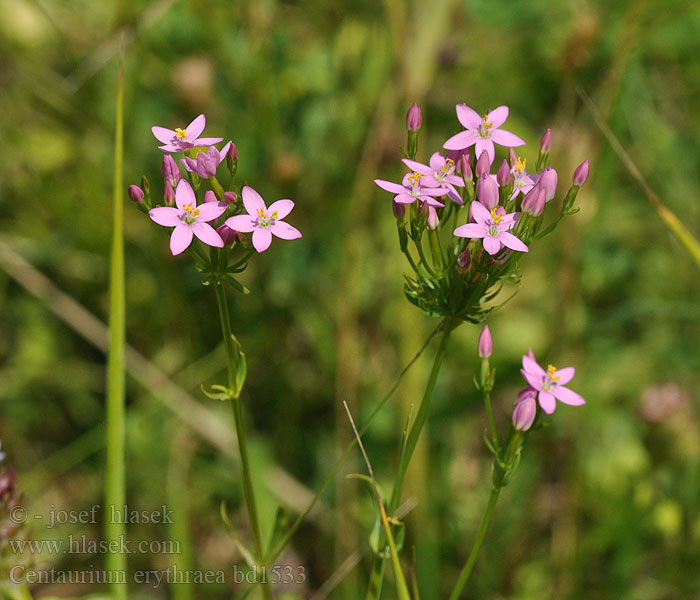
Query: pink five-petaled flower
[[263, 221], [411, 190], [550, 384], [522, 182], [189, 219], [440, 174], [482, 132], [179, 140], [491, 225]]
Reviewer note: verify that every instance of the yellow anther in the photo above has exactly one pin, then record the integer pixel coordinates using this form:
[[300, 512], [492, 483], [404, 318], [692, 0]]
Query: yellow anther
[[261, 212], [519, 165], [551, 371], [449, 163], [415, 177], [274, 215], [485, 122], [496, 217], [180, 133]]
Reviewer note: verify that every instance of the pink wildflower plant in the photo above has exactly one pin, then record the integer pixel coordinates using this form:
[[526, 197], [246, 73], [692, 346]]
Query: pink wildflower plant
[[179, 140], [549, 384], [492, 227], [188, 219], [264, 222]]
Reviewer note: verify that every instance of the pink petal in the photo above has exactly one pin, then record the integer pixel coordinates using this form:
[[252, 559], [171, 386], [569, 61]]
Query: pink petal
[[390, 186], [497, 116], [480, 213], [416, 166], [404, 198], [242, 223], [207, 141], [565, 375], [195, 128], [512, 242], [162, 134], [207, 234], [167, 216], [470, 230], [285, 231], [485, 144], [491, 244], [462, 140], [455, 197], [535, 381], [283, 208], [506, 138], [437, 161], [547, 402], [184, 194], [455, 180], [180, 239], [468, 117], [252, 201], [223, 152], [170, 148], [210, 211], [567, 396], [431, 201], [262, 238], [530, 366]]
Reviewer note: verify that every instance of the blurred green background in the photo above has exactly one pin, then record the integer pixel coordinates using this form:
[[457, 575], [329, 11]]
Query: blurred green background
[[605, 503]]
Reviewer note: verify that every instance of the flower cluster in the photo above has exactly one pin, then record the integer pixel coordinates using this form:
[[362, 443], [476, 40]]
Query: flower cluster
[[220, 220], [466, 224]]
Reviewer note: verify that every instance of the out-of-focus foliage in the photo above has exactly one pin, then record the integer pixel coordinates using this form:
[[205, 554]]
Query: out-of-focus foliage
[[605, 504]]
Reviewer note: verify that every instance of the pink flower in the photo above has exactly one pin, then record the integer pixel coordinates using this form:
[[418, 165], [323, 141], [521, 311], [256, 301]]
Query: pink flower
[[206, 163], [440, 174], [263, 221], [482, 132], [178, 140], [493, 227], [550, 384], [411, 190], [522, 182], [189, 219]]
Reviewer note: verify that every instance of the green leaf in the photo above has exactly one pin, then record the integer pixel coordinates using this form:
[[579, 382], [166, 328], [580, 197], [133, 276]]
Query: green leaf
[[278, 528], [218, 392], [245, 553]]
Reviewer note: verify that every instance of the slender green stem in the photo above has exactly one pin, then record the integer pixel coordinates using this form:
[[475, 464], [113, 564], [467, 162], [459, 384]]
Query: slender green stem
[[487, 402], [115, 478], [375, 582], [216, 186], [248, 492], [467, 569]]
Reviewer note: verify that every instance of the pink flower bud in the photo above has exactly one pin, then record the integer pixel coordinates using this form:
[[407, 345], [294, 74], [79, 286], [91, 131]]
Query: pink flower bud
[[465, 167], [487, 191], [485, 347], [232, 153], [229, 235], [546, 142], [209, 196], [503, 174], [399, 210], [548, 182], [533, 202], [463, 261], [230, 197], [513, 157], [414, 118], [171, 172], [433, 221], [581, 174], [525, 409], [483, 165], [136, 193], [169, 195]]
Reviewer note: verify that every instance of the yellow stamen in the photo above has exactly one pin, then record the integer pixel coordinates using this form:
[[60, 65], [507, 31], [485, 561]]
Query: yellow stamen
[[191, 209], [274, 215], [485, 122], [180, 133], [496, 217], [415, 177], [449, 163], [551, 371], [261, 212], [519, 166]]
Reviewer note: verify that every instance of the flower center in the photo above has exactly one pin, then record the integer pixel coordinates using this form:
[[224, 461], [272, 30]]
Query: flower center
[[497, 215], [265, 220], [415, 178], [180, 134], [448, 167], [551, 378], [190, 213], [484, 129]]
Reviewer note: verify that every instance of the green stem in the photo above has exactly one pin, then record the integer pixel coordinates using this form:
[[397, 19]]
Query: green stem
[[115, 478], [487, 402], [375, 582], [467, 569], [232, 363], [216, 186]]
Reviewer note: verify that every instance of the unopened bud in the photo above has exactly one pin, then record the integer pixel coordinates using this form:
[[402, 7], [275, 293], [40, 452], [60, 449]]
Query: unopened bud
[[485, 347], [465, 167], [483, 164], [399, 209], [230, 236], [487, 191], [145, 186], [525, 409], [169, 195], [513, 157], [581, 174], [503, 174], [232, 153], [209, 196], [136, 194], [546, 142], [463, 261], [230, 197], [170, 170], [548, 182], [414, 118], [433, 220], [534, 201]]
